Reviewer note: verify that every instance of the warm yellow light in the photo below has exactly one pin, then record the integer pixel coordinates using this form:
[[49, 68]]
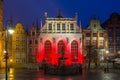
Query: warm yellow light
[[11, 31], [107, 52], [11, 70], [11, 60], [11, 75], [4, 51]]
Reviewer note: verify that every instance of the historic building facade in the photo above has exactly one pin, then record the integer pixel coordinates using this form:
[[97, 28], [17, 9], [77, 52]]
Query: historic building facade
[[58, 33], [112, 26], [96, 36], [32, 44], [19, 42]]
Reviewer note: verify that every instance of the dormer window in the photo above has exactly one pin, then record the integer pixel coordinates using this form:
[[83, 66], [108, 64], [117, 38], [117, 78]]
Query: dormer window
[[50, 26]]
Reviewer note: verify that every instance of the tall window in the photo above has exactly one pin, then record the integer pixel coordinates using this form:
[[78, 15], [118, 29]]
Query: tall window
[[30, 51], [58, 26], [50, 26], [74, 51], [30, 41], [48, 47], [71, 26], [63, 26], [60, 45], [48, 50]]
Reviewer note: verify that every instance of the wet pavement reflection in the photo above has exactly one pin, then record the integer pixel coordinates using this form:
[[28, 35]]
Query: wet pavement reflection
[[23, 74]]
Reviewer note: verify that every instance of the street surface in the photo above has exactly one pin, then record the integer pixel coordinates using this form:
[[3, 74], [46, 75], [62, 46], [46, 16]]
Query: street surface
[[93, 74]]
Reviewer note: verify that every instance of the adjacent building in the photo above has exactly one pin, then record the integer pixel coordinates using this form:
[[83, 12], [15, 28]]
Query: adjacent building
[[19, 45], [32, 45], [112, 26], [95, 35]]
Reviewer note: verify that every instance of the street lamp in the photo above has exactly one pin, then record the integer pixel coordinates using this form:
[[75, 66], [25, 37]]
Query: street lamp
[[10, 30], [107, 60]]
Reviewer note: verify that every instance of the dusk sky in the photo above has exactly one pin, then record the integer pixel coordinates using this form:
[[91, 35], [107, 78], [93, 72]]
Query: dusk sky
[[27, 11]]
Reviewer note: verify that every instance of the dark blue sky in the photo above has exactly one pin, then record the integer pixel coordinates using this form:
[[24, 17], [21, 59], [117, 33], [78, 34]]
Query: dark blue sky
[[27, 11]]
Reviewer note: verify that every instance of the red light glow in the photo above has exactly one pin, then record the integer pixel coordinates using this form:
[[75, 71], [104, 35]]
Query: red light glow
[[54, 55]]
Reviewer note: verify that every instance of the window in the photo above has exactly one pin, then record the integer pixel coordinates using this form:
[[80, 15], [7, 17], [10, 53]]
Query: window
[[94, 25], [74, 51], [50, 26], [60, 45], [87, 42], [71, 26], [94, 34], [30, 41], [33, 33], [58, 26], [94, 42], [101, 34], [36, 50], [87, 34], [47, 50], [36, 41], [63, 26], [30, 50], [101, 42]]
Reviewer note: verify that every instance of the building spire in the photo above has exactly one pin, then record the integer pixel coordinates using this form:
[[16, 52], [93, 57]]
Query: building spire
[[45, 15], [80, 27], [59, 14], [76, 16], [41, 24]]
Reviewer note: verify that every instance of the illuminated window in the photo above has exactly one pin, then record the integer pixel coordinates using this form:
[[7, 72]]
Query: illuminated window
[[48, 47], [60, 45], [74, 51], [48, 51]]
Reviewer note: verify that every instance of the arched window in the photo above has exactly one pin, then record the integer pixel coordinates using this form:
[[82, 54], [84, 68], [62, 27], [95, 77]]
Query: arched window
[[74, 51], [47, 50], [60, 45]]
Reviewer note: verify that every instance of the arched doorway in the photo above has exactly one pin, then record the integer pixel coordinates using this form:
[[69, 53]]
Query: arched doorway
[[74, 51], [48, 51]]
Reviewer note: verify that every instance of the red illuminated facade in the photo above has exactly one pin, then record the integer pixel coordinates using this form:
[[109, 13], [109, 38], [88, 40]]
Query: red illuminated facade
[[57, 33]]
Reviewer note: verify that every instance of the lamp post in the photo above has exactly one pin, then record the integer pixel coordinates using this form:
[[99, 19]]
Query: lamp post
[[107, 59], [10, 30]]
